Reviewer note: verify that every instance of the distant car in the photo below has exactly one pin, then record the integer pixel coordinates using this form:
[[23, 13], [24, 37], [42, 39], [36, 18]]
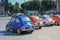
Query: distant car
[[49, 18], [44, 21], [36, 21], [20, 23], [56, 20], [57, 15], [18, 14], [2, 15]]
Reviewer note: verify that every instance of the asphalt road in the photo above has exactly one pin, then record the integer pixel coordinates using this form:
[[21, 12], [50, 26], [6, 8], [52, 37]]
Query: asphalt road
[[46, 33]]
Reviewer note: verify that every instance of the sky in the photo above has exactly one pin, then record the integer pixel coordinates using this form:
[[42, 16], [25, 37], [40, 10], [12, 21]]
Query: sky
[[20, 1]]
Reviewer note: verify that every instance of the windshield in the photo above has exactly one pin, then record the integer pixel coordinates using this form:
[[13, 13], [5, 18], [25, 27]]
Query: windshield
[[26, 19], [59, 16], [43, 17], [36, 17], [46, 15]]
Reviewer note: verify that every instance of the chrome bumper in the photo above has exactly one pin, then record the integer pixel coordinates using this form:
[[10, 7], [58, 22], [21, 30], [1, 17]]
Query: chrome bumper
[[27, 29]]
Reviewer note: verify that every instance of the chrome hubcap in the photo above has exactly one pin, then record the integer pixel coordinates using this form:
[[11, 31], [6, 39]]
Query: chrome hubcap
[[18, 31]]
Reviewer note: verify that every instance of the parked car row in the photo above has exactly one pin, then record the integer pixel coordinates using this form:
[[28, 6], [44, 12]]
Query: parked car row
[[20, 22]]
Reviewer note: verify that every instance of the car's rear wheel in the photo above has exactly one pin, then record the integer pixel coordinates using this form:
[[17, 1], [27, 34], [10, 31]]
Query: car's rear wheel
[[59, 24], [7, 28], [18, 31]]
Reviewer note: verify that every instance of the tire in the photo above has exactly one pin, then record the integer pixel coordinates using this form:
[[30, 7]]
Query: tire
[[59, 24], [30, 31], [18, 31], [40, 27], [7, 28], [11, 30], [56, 23], [45, 24], [51, 25]]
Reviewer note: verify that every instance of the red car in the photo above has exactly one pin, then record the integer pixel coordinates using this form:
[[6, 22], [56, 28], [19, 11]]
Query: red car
[[57, 15], [56, 20], [36, 21]]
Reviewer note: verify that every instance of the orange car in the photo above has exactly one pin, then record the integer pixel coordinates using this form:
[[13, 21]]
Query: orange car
[[36, 21], [57, 15], [56, 20]]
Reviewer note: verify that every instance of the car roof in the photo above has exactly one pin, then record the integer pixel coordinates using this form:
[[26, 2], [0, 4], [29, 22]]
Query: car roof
[[23, 17], [19, 14], [46, 15]]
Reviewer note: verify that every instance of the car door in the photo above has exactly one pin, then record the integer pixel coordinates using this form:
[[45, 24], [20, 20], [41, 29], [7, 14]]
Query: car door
[[17, 22], [12, 22]]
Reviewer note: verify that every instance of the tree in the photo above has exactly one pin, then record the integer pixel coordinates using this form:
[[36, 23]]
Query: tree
[[47, 5], [35, 0], [31, 5], [17, 9], [6, 4], [11, 9]]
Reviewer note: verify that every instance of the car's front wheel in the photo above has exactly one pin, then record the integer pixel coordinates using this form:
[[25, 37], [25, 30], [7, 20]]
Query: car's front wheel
[[30, 31], [56, 23], [18, 31], [45, 24]]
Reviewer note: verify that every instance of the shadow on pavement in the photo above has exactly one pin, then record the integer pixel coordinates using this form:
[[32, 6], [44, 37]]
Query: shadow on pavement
[[5, 33], [47, 26], [37, 29]]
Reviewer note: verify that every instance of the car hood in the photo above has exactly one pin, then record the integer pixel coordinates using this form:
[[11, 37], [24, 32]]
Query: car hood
[[45, 20], [27, 25], [49, 19]]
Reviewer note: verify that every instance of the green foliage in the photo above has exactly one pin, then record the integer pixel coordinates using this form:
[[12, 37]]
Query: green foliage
[[17, 9], [31, 5], [39, 5], [11, 8], [6, 4], [47, 5]]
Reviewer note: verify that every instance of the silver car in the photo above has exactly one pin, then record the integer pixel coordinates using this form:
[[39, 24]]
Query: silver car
[[49, 18]]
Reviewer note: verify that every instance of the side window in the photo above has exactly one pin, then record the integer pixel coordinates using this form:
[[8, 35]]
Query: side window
[[13, 20], [17, 20]]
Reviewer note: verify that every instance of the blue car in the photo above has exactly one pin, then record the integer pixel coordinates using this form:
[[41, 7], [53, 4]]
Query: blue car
[[20, 23]]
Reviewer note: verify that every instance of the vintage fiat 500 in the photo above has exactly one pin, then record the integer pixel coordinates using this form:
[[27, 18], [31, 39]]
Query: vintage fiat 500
[[36, 21], [20, 23]]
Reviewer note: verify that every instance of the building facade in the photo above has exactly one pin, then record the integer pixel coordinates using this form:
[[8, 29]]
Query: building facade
[[2, 12], [58, 5]]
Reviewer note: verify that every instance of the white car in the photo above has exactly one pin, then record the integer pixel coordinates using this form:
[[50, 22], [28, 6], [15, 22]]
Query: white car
[[44, 21], [49, 19]]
